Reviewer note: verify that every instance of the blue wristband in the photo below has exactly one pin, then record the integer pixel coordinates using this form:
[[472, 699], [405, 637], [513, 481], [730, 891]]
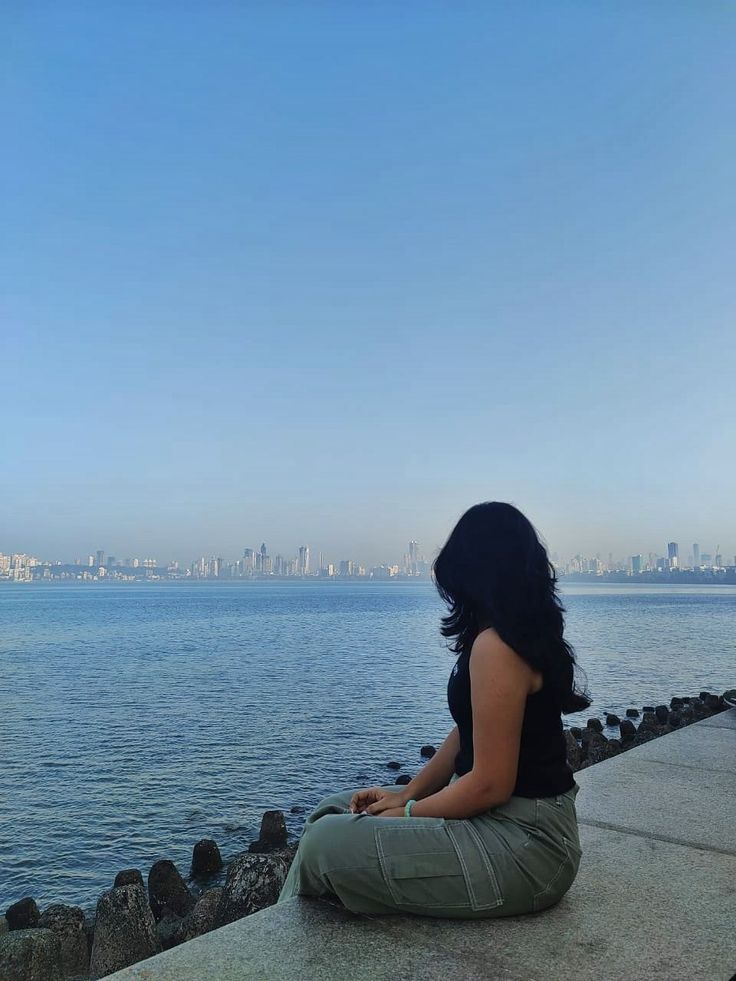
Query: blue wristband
[[407, 808]]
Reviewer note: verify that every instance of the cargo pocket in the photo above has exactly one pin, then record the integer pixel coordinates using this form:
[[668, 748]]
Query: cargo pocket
[[437, 867]]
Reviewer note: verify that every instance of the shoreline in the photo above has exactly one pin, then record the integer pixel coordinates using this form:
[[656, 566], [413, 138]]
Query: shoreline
[[138, 917], [686, 580]]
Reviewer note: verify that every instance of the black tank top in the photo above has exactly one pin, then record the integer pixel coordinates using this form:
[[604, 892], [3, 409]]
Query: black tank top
[[543, 767]]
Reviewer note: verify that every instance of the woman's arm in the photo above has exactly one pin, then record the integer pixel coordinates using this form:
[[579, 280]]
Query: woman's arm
[[437, 772], [500, 682], [432, 776]]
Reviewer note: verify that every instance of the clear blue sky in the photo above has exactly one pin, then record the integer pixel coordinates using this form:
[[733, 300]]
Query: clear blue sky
[[332, 272]]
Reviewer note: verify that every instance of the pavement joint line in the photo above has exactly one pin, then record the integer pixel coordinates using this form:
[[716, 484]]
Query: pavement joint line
[[687, 766], [669, 839]]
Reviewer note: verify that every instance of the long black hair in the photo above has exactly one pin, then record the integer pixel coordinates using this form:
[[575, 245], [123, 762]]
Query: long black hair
[[494, 571]]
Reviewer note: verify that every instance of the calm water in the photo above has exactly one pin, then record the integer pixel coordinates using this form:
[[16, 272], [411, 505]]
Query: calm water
[[136, 719]]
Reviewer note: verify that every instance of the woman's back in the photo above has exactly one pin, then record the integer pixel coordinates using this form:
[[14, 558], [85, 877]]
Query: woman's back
[[543, 768]]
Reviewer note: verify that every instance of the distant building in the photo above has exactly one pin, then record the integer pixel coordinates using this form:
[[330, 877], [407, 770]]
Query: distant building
[[302, 564], [636, 563], [100, 557], [696, 555], [673, 554]]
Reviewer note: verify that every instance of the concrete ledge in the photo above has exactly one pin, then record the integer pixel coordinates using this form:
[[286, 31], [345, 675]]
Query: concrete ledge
[[656, 893]]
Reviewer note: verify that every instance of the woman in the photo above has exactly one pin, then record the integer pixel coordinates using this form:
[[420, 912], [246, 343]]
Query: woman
[[488, 827]]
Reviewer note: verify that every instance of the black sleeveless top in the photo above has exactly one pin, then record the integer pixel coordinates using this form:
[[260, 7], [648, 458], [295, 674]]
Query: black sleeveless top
[[543, 767]]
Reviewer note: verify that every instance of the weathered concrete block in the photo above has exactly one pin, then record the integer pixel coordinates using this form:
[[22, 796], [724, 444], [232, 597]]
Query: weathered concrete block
[[253, 883], [67, 922], [167, 890], [30, 955], [648, 722], [204, 917], [599, 750], [206, 857], [22, 915], [699, 709], [129, 877], [627, 729], [125, 930], [574, 752], [662, 712], [168, 929], [273, 833]]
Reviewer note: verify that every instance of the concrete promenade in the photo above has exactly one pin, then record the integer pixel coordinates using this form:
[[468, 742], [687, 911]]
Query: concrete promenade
[[655, 896]]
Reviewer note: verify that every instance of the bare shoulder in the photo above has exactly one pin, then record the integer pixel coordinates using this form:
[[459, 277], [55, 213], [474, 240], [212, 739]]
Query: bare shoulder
[[489, 641], [488, 648]]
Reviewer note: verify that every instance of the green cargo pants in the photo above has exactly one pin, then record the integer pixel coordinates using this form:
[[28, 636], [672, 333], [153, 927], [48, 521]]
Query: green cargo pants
[[520, 857]]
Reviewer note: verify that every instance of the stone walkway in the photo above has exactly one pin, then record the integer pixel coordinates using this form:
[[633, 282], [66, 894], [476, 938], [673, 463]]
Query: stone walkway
[[655, 896]]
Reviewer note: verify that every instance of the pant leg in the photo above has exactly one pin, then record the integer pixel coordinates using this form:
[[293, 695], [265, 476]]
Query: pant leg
[[335, 858], [374, 865]]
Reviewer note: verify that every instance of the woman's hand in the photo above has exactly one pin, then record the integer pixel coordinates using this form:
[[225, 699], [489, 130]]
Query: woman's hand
[[377, 800]]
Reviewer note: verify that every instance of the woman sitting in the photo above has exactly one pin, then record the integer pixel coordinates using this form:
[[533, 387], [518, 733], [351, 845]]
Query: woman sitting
[[488, 827]]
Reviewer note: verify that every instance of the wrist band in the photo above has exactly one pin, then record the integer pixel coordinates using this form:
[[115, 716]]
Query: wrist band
[[407, 808]]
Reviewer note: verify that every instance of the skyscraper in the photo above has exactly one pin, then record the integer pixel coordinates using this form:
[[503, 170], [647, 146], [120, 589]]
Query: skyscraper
[[413, 557], [303, 560], [635, 565], [673, 554], [696, 555]]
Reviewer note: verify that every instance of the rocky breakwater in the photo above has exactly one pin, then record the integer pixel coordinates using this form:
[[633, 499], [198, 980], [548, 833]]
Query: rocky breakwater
[[600, 739], [138, 918]]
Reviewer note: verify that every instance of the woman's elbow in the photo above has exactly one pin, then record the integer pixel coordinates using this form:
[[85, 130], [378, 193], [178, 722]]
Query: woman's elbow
[[491, 792]]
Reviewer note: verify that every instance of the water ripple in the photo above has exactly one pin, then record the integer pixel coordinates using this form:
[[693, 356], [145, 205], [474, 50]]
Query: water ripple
[[135, 720]]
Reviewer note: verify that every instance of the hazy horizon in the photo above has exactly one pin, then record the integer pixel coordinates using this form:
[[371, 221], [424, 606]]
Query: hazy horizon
[[330, 274], [369, 555]]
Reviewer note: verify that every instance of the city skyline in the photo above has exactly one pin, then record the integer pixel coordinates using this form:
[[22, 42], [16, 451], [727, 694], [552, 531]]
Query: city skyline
[[260, 563]]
